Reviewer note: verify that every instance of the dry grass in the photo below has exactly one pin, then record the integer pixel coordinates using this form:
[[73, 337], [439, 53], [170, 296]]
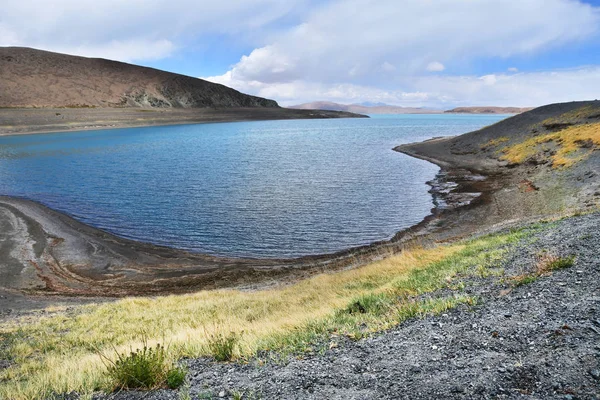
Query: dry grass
[[546, 263], [573, 144], [60, 353], [574, 116], [494, 142]]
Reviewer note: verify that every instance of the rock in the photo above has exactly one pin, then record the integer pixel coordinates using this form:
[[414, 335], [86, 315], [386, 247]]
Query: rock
[[222, 393], [595, 373]]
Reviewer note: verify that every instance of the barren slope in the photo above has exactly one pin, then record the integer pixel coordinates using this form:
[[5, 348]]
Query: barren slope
[[35, 78]]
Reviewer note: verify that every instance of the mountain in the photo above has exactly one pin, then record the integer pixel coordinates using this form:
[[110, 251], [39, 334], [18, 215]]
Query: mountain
[[363, 109], [488, 110], [41, 91], [36, 78]]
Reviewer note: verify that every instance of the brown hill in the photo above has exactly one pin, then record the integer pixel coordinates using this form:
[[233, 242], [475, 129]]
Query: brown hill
[[36, 78], [361, 109], [488, 110]]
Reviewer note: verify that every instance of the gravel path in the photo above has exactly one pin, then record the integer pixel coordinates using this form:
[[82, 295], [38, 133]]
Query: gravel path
[[536, 341]]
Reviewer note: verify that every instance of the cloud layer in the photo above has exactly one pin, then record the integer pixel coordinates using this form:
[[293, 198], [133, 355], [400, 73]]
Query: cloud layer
[[132, 30], [519, 90], [361, 50], [409, 52], [350, 40]]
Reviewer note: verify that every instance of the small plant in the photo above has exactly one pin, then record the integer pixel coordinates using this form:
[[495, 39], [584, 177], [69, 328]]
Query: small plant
[[145, 368], [176, 376], [221, 346], [560, 263], [524, 280], [237, 395], [546, 264], [184, 393]]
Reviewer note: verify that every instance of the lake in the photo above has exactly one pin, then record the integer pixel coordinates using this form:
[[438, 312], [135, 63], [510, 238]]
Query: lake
[[244, 189]]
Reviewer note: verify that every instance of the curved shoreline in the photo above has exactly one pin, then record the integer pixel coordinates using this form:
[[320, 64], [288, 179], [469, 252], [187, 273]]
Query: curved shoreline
[[74, 259]]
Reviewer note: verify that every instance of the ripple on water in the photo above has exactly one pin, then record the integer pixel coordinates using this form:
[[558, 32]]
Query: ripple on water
[[253, 189]]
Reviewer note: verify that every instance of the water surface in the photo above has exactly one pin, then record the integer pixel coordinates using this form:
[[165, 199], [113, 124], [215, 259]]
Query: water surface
[[250, 189]]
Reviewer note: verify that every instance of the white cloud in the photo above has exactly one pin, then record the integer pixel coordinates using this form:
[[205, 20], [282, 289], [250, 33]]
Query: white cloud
[[489, 80], [386, 66], [308, 50], [135, 29], [335, 39], [520, 90], [513, 69], [435, 66]]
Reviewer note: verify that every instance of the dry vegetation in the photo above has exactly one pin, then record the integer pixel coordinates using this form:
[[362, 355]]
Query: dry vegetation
[[494, 142], [61, 353], [562, 148], [545, 265]]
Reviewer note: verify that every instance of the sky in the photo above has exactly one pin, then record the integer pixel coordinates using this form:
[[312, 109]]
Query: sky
[[413, 53]]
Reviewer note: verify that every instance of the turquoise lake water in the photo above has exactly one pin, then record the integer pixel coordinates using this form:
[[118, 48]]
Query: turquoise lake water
[[248, 189]]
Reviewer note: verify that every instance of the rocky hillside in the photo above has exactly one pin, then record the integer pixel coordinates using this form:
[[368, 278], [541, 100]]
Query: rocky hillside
[[35, 78], [489, 148], [539, 163]]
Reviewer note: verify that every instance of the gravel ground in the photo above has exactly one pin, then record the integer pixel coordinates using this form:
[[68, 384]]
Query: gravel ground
[[536, 341]]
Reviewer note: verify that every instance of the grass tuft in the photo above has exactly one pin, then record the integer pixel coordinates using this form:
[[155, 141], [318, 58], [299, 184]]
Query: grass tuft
[[546, 263], [145, 368], [222, 346]]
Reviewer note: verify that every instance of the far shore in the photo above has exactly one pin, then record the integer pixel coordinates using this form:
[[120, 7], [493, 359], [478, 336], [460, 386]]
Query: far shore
[[20, 121]]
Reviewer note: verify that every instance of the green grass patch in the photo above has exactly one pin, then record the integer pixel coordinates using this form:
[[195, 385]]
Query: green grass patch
[[145, 368]]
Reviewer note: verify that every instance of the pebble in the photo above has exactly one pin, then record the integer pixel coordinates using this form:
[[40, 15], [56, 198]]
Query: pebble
[[595, 373]]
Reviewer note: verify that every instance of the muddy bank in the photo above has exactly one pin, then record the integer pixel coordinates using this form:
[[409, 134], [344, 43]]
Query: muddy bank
[[15, 121]]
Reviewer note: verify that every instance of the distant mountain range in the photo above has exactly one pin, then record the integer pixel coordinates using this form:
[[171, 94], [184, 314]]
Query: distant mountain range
[[489, 110], [379, 108], [364, 109], [36, 78]]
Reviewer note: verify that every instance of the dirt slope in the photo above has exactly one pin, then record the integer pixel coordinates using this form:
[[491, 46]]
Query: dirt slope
[[36, 78]]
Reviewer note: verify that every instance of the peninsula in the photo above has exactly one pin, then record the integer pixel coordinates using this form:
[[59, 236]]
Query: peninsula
[[41, 91]]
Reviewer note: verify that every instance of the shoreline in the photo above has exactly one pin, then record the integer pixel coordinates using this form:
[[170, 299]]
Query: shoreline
[[119, 267], [29, 121], [57, 256]]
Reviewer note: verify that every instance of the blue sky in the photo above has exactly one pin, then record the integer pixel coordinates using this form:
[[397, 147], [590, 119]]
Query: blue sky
[[432, 53]]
